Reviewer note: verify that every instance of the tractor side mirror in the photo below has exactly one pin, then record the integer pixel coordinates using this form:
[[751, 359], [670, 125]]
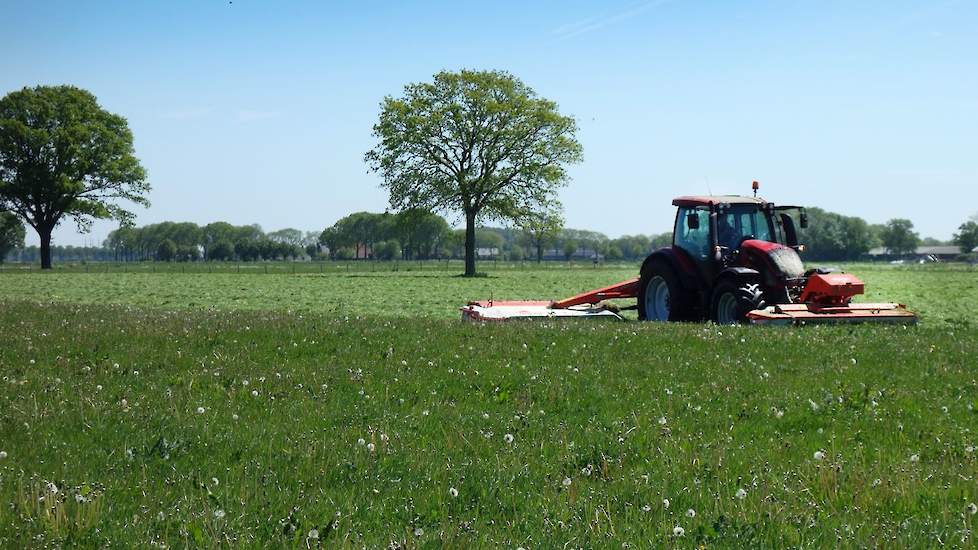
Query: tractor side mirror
[[803, 218], [692, 220]]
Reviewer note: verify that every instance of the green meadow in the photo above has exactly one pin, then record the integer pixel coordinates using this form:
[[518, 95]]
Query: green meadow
[[352, 409]]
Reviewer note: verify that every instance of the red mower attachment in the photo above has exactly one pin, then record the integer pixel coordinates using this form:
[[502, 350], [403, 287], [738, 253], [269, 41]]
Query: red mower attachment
[[586, 305], [827, 298]]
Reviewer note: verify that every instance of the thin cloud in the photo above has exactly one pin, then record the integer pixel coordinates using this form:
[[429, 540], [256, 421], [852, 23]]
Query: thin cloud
[[185, 114], [570, 30], [251, 115]]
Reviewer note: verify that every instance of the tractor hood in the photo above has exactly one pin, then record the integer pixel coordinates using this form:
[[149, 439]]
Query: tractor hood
[[783, 259]]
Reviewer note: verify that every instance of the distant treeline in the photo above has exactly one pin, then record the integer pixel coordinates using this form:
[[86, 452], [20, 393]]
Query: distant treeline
[[422, 235]]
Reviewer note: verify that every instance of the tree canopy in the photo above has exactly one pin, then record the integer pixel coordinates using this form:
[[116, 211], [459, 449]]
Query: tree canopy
[[11, 234], [967, 236], [899, 237], [478, 143], [61, 155]]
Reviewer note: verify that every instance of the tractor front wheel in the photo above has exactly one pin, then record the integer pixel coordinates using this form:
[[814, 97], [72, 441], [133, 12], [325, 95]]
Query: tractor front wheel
[[732, 300]]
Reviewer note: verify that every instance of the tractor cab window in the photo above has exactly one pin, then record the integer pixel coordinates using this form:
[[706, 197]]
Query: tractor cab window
[[740, 221], [696, 241]]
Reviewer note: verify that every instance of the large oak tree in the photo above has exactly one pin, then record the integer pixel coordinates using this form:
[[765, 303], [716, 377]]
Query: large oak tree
[[62, 155], [478, 143]]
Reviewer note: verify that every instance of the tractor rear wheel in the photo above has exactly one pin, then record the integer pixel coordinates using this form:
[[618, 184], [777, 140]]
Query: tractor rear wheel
[[660, 296], [732, 300]]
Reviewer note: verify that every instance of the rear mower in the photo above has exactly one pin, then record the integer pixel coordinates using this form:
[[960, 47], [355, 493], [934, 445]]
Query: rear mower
[[734, 259]]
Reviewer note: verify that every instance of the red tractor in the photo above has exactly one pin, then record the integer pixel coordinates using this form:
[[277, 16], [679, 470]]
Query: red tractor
[[733, 259]]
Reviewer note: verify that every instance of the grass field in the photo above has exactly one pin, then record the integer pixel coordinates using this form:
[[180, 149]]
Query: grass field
[[300, 410], [939, 293]]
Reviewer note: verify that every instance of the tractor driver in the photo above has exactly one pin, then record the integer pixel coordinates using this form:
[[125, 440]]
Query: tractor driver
[[727, 234]]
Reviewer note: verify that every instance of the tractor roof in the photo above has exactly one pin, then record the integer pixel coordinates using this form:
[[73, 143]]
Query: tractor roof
[[708, 200]]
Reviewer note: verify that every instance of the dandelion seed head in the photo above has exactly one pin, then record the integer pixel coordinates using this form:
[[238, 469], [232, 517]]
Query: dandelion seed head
[[691, 513], [418, 531], [972, 508], [741, 493], [665, 503], [914, 458], [200, 410], [219, 514], [567, 482], [370, 447], [361, 441], [678, 531], [508, 438], [819, 455], [453, 491]]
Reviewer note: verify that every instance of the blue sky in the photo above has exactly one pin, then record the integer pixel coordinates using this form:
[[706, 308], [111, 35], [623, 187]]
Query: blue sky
[[260, 111]]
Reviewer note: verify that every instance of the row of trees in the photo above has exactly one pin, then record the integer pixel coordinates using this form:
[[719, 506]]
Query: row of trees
[[187, 241], [415, 234], [419, 234]]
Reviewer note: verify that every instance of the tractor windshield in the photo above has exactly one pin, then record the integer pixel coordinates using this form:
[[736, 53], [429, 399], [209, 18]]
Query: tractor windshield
[[740, 221]]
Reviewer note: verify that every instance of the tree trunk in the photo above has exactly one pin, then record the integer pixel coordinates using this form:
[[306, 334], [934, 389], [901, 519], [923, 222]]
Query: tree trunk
[[45, 235], [539, 252], [470, 244]]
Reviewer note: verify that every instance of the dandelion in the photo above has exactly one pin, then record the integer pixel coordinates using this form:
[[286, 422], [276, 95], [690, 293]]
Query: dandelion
[[245, 382], [662, 421], [741, 494], [3, 455], [254, 393], [819, 455], [234, 416], [361, 442], [370, 447], [972, 508], [52, 488], [944, 409], [876, 482], [778, 413], [508, 438], [813, 405], [453, 491], [914, 458], [678, 531], [485, 416], [425, 412], [969, 449], [313, 534], [98, 387], [80, 499], [691, 513], [200, 410], [384, 438], [646, 508], [215, 482], [219, 514], [418, 531], [567, 482], [665, 503], [586, 471]]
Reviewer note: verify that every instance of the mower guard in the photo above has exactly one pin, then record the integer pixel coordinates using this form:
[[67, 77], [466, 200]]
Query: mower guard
[[510, 310], [587, 305], [810, 314]]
